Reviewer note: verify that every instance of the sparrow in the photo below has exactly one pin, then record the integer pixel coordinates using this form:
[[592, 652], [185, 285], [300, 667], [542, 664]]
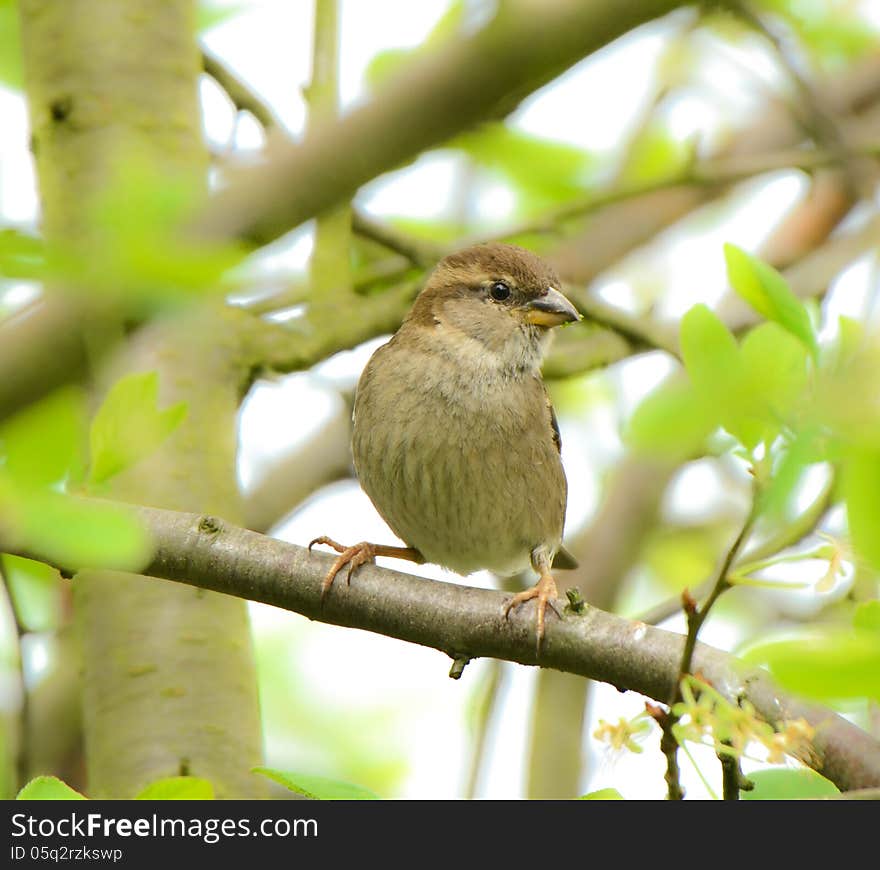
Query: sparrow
[[454, 439]]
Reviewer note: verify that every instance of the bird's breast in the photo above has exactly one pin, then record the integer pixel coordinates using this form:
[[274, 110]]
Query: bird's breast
[[459, 461]]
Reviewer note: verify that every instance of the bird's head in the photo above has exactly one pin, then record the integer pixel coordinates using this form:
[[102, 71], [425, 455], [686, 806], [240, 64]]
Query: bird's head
[[502, 297]]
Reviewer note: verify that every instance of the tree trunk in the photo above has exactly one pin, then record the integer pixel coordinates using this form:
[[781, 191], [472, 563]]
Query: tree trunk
[[169, 679]]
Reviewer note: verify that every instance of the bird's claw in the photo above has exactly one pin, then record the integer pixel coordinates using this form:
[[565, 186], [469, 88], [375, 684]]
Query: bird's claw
[[545, 591], [354, 556]]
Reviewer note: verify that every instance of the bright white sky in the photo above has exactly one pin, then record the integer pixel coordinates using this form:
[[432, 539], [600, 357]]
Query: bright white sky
[[269, 45]]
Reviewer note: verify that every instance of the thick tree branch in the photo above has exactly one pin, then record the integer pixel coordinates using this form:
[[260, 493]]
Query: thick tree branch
[[434, 98], [463, 621]]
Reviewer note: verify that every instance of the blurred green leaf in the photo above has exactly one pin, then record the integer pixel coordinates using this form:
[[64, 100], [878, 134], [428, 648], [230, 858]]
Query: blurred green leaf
[[769, 294], [861, 491], [656, 154], [22, 256], [178, 788], [709, 351], [44, 442], [10, 45], [835, 33], [776, 365], [602, 794], [671, 421], [70, 532], [789, 783], [682, 557], [837, 356], [790, 462], [834, 664], [34, 589], [720, 380], [48, 788], [386, 64], [318, 787], [142, 211], [542, 172], [867, 616], [129, 426], [210, 13]]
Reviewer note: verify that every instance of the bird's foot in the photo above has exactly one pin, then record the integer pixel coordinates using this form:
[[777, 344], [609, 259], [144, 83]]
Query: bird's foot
[[359, 554], [545, 591]]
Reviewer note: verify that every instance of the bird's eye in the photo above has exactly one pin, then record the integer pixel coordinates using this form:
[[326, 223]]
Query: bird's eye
[[499, 290]]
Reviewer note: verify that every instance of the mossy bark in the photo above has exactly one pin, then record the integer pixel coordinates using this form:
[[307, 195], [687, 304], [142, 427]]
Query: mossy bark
[[169, 679]]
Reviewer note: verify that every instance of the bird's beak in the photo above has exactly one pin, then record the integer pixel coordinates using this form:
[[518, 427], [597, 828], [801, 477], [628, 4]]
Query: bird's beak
[[551, 309]]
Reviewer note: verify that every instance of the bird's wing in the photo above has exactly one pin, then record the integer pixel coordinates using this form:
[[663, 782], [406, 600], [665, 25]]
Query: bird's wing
[[563, 559], [554, 423]]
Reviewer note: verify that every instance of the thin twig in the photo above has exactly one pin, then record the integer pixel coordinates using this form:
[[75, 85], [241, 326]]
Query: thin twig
[[787, 536], [243, 96], [696, 616], [420, 253], [732, 779]]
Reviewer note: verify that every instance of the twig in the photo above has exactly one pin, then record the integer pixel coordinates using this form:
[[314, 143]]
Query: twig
[[420, 253], [713, 173], [242, 95], [788, 535], [809, 112], [696, 616], [732, 779]]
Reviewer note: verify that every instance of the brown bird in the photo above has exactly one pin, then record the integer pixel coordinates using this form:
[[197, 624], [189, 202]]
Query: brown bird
[[455, 440]]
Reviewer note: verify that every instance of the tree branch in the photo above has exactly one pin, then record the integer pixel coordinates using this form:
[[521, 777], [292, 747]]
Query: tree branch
[[432, 99], [460, 620]]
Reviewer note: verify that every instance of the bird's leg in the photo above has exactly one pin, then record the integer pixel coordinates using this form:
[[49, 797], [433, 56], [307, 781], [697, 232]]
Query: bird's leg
[[361, 554], [544, 590]]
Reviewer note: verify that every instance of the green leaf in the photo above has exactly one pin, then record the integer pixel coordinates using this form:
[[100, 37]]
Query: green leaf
[[716, 369], [655, 154], [867, 616], [318, 787], [769, 294], [34, 588], [387, 64], [138, 212], [48, 788], [790, 463], [602, 794], [22, 256], [709, 350], [211, 13], [670, 421], [74, 533], [44, 442], [542, 172], [835, 664], [776, 366], [178, 788], [788, 783], [128, 426], [861, 491]]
